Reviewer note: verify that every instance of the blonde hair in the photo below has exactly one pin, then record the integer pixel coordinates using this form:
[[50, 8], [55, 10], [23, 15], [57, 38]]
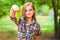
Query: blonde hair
[[27, 4]]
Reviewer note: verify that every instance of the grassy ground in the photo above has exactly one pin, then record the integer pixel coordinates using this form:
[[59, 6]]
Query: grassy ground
[[8, 29]]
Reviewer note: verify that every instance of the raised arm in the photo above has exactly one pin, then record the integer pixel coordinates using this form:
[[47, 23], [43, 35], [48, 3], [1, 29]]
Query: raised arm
[[14, 9]]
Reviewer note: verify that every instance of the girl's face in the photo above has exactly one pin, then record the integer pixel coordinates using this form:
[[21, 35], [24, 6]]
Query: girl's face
[[29, 11]]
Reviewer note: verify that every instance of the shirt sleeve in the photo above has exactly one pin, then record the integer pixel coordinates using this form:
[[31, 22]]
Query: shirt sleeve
[[38, 30], [14, 20]]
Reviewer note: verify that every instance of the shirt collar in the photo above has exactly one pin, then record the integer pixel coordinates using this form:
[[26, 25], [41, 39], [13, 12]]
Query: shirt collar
[[22, 20]]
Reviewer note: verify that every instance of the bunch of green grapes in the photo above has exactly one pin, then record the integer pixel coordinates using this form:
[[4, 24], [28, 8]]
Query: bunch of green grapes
[[18, 15]]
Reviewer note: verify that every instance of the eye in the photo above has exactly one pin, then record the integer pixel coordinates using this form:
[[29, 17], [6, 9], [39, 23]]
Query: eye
[[30, 10], [26, 10]]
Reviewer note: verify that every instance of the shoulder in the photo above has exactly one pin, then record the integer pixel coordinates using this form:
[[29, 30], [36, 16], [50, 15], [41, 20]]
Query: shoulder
[[36, 24]]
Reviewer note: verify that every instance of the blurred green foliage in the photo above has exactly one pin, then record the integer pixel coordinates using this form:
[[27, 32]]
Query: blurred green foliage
[[40, 5], [59, 12]]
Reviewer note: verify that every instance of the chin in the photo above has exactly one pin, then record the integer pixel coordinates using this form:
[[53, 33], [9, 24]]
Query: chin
[[28, 16]]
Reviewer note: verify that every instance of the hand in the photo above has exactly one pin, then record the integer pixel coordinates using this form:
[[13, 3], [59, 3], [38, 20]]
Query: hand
[[15, 8], [37, 37]]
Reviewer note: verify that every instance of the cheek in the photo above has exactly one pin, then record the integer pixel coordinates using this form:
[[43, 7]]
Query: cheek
[[32, 13], [26, 12]]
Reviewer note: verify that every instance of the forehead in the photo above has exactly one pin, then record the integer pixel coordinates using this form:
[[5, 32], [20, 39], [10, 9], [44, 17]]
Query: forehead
[[28, 7]]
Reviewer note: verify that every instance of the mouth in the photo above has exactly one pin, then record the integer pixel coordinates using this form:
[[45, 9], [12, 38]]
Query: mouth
[[28, 14]]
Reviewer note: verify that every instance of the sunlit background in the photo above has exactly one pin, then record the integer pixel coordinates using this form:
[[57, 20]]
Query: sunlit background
[[47, 14]]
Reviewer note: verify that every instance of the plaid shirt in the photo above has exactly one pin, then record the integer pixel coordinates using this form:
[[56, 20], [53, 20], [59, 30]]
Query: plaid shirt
[[27, 31]]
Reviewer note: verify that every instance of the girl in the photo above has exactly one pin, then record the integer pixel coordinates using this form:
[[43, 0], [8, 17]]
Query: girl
[[28, 28]]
